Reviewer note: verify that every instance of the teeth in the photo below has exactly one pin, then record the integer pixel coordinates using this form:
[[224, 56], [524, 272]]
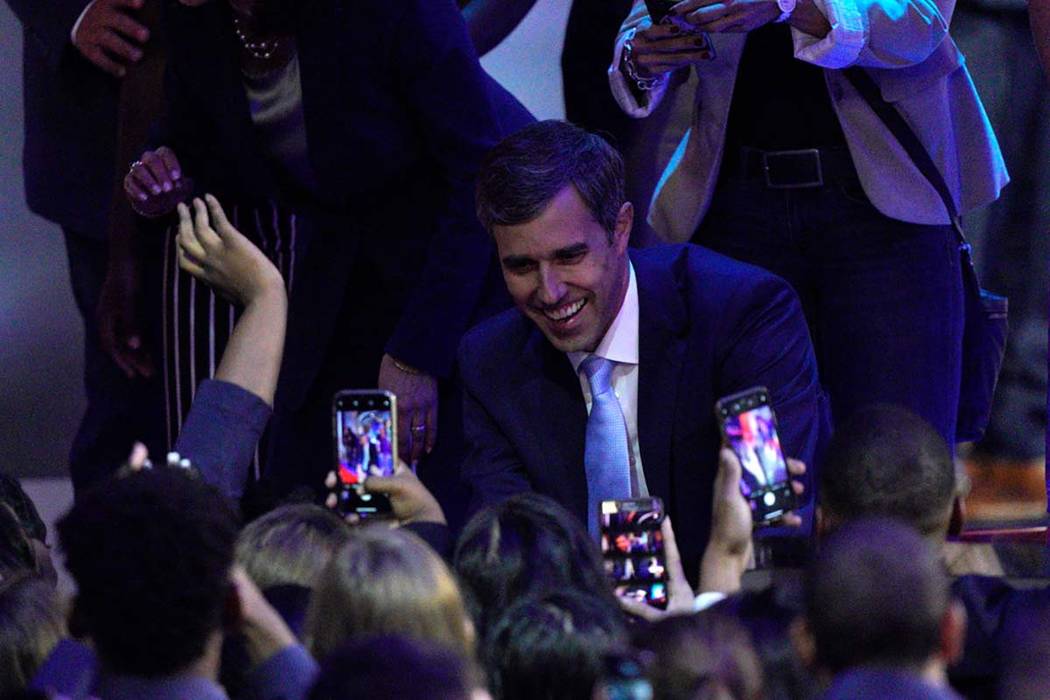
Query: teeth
[[565, 312]]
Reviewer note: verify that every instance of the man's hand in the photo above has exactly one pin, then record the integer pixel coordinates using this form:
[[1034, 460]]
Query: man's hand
[[729, 548], [727, 15], [679, 593], [109, 36], [154, 185], [417, 407], [212, 250], [118, 323], [662, 48], [265, 631]]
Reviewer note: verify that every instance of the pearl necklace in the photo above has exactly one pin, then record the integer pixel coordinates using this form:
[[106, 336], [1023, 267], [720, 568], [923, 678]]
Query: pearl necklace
[[262, 50]]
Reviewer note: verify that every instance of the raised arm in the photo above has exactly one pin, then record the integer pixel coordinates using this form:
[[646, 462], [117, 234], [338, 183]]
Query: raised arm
[[229, 413]]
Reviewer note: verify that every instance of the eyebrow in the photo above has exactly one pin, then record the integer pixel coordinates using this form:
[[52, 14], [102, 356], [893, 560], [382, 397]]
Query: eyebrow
[[565, 253]]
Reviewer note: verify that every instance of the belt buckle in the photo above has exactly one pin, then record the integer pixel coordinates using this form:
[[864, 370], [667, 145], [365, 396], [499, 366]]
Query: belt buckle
[[801, 156]]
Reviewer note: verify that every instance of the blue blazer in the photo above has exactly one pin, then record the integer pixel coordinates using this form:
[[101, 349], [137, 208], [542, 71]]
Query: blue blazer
[[708, 326], [70, 120]]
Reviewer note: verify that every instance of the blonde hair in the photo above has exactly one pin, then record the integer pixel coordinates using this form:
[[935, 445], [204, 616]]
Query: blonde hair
[[387, 581]]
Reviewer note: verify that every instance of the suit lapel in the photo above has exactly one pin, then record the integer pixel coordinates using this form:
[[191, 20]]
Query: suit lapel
[[558, 417], [661, 348]]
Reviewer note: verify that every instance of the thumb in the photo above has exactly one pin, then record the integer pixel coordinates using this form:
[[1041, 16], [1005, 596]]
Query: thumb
[[387, 485], [729, 473]]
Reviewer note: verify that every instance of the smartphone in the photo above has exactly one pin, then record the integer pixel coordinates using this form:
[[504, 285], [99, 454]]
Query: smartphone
[[633, 549], [364, 435], [658, 9], [750, 428]]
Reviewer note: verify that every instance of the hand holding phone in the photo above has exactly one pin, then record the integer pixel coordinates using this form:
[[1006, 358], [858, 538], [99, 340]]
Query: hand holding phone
[[749, 428]]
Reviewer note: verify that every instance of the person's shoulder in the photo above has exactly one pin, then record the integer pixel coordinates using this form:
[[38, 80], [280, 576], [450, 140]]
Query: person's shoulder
[[494, 342], [697, 270]]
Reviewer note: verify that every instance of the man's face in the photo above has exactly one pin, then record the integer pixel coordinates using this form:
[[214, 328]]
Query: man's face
[[564, 273]]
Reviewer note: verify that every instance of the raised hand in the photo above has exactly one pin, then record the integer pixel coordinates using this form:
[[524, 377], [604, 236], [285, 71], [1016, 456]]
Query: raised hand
[[662, 48], [725, 15], [109, 35], [215, 252]]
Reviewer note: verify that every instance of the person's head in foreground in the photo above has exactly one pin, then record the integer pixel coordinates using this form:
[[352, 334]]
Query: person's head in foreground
[[387, 582], [877, 600], [290, 545], [707, 656], [552, 196], [527, 545], [551, 647], [886, 461], [31, 622], [151, 556], [395, 668]]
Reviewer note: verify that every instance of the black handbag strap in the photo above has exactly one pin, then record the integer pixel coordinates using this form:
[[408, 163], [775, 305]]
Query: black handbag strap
[[893, 120]]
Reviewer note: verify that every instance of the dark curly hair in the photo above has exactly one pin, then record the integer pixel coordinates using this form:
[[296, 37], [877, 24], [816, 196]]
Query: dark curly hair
[[151, 555]]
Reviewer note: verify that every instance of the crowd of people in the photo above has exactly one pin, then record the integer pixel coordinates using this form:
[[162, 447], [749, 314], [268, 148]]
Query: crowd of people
[[336, 196]]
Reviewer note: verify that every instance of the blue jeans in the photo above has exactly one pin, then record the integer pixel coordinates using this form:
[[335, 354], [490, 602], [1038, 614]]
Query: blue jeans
[[883, 298]]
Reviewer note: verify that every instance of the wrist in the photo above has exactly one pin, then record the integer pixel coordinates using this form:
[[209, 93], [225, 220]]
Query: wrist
[[637, 75]]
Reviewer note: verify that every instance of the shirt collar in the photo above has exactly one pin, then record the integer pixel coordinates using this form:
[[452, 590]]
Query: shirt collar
[[620, 343]]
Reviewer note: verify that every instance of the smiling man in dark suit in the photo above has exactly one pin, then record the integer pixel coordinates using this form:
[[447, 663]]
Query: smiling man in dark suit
[[662, 332]]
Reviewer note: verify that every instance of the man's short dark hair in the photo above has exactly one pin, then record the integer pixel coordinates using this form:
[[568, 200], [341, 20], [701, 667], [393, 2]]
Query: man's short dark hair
[[876, 594], [524, 172], [151, 556], [528, 545], [552, 647], [886, 461]]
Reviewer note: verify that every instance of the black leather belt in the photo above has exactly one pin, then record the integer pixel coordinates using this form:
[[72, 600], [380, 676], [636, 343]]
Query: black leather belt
[[810, 167]]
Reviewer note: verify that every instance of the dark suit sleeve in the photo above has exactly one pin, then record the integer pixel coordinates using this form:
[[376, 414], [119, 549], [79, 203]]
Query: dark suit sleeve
[[768, 344], [492, 469], [436, 65], [48, 24]]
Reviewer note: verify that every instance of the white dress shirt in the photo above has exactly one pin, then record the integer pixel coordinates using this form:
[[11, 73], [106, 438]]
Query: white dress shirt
[[620, 345]]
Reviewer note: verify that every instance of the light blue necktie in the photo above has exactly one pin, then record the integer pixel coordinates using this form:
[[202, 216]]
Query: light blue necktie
[[605, 457]]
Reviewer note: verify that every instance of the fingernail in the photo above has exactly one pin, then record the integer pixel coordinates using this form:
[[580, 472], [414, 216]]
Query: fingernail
[[176, 174], [136, 55], [143, 197], [155, 189]]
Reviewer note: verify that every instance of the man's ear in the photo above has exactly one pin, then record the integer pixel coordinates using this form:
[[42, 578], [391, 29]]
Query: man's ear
[[624, 223], [953, 633], [804, 644]]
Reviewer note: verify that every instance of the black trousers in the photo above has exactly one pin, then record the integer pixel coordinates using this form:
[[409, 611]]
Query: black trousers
[[119, 411]]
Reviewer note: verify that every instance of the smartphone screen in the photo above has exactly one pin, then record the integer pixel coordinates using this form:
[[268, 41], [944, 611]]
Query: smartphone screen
[[750, 428], [633, 549], [364, 432]]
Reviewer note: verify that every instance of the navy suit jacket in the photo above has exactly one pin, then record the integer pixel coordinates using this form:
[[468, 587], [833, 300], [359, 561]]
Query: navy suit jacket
[[708, 326], [70, 120]]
